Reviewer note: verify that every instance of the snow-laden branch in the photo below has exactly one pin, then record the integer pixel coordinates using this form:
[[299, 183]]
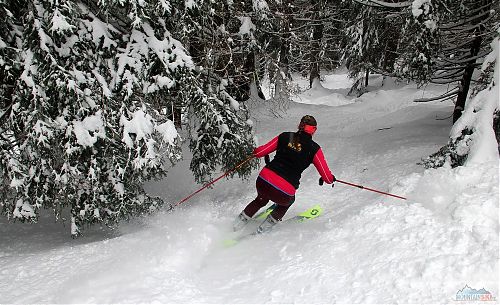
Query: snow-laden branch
[[444, 82], [458, 71], [466, 59], [446, 95], [379, 3]]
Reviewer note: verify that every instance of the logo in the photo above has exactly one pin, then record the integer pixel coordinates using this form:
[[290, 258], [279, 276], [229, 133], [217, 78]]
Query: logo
[[471, 294], [295, 146]]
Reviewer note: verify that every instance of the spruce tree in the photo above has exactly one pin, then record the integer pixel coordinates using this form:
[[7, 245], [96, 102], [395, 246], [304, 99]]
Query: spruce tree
[[88, 119], [370, 42], [445, 42]]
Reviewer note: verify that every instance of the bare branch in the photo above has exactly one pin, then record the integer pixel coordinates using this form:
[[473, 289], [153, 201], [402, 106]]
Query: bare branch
[[464, 21]]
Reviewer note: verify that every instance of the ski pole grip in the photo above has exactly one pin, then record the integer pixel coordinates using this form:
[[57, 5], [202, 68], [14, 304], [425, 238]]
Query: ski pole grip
[[321, 181]]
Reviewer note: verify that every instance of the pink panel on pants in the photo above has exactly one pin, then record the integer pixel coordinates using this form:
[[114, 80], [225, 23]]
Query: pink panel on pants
[[277, 181]]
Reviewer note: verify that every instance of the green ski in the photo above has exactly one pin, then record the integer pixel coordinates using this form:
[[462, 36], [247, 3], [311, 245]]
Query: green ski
[[311, 213]]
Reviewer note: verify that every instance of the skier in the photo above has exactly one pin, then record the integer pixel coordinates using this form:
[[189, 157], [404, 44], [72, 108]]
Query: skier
[[279, 179]]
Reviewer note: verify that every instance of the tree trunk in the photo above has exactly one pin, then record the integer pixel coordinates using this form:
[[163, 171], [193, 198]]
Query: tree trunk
[[283, 73], [366, 77], [315, 54], [464, 86], [285, 40]]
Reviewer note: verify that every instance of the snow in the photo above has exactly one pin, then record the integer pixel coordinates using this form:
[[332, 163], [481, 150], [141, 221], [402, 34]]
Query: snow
[[168, 132], [140, 49], [44, 38], [59, 23], [168, 49], [164, 81], [23, 210], [419, 7], [260, 6], [325, 96], [43, 132], [28, 71], [16, 182], [365, 248], [247, 27], [141, 126], [102, 81], [431, 24], [89, 129], [190, 4], [234, 103], [99, 30]]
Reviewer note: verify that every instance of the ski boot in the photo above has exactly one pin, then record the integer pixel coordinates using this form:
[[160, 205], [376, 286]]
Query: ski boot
[[267, 225], [240, 221]]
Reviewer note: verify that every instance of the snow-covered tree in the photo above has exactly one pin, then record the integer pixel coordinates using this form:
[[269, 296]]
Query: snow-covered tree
[[220, 40], [418, 42], [370, 42], [476, 134], [466, 34], [10, 68], [315, 37], [445, 42], [87, 120]]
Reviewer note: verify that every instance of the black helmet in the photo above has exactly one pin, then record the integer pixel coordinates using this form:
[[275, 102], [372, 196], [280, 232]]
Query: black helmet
[[307, 120]]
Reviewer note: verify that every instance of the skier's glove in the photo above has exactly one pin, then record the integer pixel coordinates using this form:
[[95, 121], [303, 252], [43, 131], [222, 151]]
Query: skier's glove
[[321, 181], [266, 159]]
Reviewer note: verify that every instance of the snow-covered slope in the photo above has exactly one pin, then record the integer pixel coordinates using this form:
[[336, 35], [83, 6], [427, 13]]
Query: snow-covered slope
[[365, 248]]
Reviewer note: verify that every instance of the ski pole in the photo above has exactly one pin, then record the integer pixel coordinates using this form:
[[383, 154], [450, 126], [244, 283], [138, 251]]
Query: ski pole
[[370, 189], [215, 180]]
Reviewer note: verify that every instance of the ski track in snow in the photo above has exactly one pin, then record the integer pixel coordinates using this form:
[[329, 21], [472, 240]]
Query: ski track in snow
[[365, 248]]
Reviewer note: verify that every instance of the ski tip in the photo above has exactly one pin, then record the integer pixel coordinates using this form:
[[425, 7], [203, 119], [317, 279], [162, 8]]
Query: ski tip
[[313, 212], [230, 242]]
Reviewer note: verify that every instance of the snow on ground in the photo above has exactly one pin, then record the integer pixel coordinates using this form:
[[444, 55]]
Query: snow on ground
[[365, 248]]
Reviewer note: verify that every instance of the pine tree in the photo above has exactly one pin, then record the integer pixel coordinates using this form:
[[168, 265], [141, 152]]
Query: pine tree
[[466, 35], [418, 43], [315, 37], [86, 123], [394, 38], [9, 52], [220, 129], [445, 42]]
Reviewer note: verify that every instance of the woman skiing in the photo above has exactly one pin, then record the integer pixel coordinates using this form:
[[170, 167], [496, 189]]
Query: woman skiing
[[279, 179]]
